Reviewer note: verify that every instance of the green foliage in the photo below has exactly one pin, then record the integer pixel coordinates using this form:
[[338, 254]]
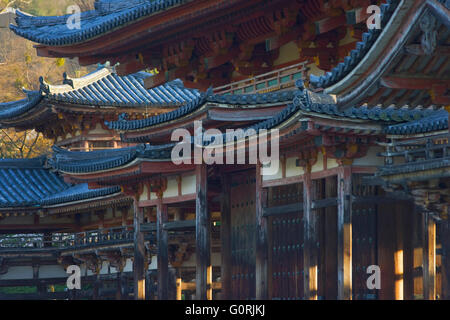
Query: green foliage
[[14, 290]]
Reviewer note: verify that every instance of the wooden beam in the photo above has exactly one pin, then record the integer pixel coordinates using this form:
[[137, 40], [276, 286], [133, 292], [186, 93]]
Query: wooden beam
[[139, 253], [412, 83], [203, 236], [344, 241], [261, 240], [225, 237], [163, 250], [429, 257]]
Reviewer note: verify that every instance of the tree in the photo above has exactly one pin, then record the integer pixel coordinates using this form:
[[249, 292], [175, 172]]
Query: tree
[[24, 144]]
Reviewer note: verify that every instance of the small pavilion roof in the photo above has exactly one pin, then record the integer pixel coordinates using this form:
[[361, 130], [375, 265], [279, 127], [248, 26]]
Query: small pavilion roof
[[107, 16], [78, 192], [27, 183], [13, 109], [102, 88], [436, 122]]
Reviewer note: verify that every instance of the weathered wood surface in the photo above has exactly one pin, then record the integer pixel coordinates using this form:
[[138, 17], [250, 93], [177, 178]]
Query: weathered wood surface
[[310, 256], [163, 251], [203, 233], [243, 235], [225, 235], [139, 253], [286, 244], [261, 276], [429, 257], [344, 234]]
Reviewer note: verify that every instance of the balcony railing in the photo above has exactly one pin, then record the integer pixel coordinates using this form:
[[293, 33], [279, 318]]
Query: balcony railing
[[65, 240], [93, 238], [271, 81], [417, 150]]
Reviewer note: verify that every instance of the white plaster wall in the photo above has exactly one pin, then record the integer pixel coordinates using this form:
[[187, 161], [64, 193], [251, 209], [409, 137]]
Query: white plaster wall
[[188, 184], [18, 272], [291, 168], [371, 158], [52, 271], [144, 194], [277, 175], [172, 188], [318, 166]]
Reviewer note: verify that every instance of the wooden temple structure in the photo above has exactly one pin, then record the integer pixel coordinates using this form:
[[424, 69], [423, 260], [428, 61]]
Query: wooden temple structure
[[362, 178]]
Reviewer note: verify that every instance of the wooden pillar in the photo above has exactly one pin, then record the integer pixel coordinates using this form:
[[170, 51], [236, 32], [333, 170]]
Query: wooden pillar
[[225, 236], [124, 212], [119, 295], [97, 287], [445, 241], [429, 257], [310, 241], [163, 250], [398, 256], [408, 215], [178, 286], [203, 234], [344, 230], [261, 241], [86, 146], [139, 253]]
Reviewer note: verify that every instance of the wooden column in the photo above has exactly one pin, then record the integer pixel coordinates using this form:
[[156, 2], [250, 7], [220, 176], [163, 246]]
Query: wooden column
[[163, 250], [203, 234], [344, 230], [139, 253], [225, 237], [310, 241], [398, 256], [97, 287], [429, 257], [178, 287], [408, 251], [261, 241], [86, 146]]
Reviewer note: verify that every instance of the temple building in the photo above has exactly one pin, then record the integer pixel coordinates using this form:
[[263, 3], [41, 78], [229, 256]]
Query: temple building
[[357, 119]]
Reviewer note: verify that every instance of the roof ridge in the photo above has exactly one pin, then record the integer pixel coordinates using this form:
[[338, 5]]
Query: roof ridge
[[31, 163]]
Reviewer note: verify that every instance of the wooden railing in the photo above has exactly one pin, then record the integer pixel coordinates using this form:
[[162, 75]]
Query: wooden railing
[[91, 238], [271, 81], [417, 150], [66, 240]]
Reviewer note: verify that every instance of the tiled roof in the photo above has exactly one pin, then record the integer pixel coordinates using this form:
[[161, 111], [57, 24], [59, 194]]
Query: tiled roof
[[103, 87], [231, 99], [318, 103], [13, 109], [191, 106], [356, 55], [26, 183], [78, 192], [437, 121], [107, 15], [84, 162]]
